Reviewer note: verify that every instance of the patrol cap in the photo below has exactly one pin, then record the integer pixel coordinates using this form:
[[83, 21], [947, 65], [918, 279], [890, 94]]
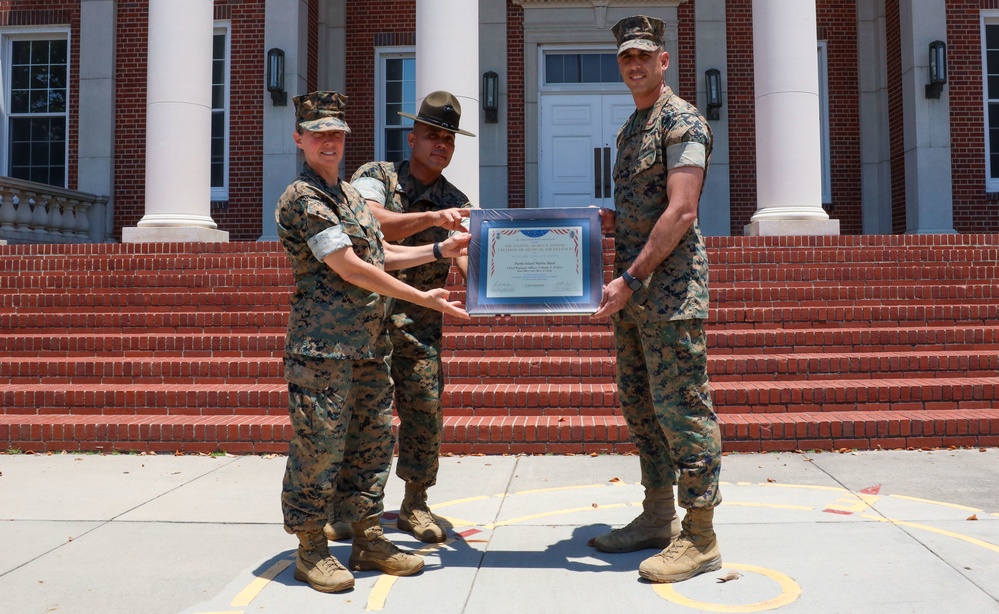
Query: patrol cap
[[320, 111], [639, 32], [441, 110]]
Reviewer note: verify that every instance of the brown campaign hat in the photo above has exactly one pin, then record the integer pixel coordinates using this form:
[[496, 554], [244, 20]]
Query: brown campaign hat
[[320, 111], [441, 110], [639, 32]]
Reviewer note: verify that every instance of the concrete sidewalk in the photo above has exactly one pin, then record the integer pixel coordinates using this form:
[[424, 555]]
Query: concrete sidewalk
[[817, 533]]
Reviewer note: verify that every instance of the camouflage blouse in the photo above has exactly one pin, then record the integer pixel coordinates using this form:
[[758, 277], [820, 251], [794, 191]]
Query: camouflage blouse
[[330, 318], [400, 192], [669, 135]]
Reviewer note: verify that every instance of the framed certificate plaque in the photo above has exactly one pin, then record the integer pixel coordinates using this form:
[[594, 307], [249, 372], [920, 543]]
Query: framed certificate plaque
[[534, 261]]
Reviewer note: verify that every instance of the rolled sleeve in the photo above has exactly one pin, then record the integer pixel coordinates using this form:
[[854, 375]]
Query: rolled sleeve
[[331, 240], [689, 153], [370, 188]]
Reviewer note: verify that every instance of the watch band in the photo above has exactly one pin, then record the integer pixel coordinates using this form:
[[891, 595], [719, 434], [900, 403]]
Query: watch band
[[634, 284], [437, 251]]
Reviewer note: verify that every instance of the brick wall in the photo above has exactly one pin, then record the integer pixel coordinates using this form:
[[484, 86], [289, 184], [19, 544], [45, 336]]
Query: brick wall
[[55, 13], [741, 103], [242, 216], [687, 48], [974, 210], [896, 139], [515, 105]]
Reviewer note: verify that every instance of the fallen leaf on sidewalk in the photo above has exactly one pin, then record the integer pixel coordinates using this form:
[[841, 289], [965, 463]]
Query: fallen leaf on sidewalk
[[973, 517], [771, 480], [732, 575], [614, 480]]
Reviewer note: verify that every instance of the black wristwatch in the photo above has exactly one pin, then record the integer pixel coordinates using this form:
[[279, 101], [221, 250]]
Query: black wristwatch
[[634, 284]]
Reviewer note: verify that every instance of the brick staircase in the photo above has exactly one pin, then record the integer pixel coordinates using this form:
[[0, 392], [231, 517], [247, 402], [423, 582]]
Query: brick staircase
[[814, 342]]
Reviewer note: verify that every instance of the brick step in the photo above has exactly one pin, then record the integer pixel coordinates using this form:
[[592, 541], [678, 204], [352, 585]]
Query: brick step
[[805, 295], [160, 345], [733, 397], [945, 338], [840, 256], [512, 399], [852, 316], [117, 300], [529, 343], [508, 370], [154, 281], [730, 367], [124, 262], [508, 435], [148, 370], [144, 322], [942, 272]]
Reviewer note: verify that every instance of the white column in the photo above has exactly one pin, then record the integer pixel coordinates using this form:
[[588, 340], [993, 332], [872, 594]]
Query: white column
[[178, 125], [929, 201], [788, 154], [447, 58]]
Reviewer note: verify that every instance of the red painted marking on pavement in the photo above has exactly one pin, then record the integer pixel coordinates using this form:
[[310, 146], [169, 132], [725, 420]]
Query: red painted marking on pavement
[[469, 532], [872, 490], [843, 512]]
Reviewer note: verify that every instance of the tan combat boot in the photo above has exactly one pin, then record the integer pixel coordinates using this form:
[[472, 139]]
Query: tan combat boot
[[372, 550], [693, 553], [316, 566], [415, 517], [656, 527], [338, 530]]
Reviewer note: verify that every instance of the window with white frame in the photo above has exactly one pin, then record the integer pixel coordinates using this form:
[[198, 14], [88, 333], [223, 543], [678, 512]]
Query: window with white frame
[[220, 113], [395, 92], [990, 90], [35, 112]]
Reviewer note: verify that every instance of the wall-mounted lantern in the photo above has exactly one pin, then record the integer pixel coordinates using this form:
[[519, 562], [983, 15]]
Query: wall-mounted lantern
[[713, 92], [938, 69], [275, 77], [490, 96]]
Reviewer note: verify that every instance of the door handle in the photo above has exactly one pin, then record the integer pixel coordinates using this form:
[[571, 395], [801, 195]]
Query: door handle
[[607, 172], [597, 180]]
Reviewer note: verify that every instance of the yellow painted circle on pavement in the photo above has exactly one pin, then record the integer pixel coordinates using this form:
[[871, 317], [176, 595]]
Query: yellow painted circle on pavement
[[790, 590]]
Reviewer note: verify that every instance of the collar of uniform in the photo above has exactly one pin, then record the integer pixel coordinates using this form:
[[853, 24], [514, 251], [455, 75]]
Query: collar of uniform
[[316, 179], [655, 109]]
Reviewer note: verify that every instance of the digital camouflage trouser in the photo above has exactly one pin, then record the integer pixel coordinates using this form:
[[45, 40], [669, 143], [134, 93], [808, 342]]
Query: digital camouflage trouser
[[419, 384], [341, 448], [665, 397]]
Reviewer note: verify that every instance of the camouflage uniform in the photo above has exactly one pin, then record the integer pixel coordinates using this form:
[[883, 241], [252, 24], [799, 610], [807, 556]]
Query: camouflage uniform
[[661, 356], [415, 331], [336, 360]]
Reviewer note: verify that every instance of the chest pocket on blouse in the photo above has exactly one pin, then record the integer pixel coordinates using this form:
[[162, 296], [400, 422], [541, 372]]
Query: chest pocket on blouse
[[639, 156]]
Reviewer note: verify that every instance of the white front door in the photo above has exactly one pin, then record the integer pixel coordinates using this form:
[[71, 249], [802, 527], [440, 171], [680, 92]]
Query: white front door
[[578, 133]]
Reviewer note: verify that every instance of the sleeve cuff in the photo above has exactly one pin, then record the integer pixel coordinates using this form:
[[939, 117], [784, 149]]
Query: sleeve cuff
[[370, 189], [685, 154], [328, 241]]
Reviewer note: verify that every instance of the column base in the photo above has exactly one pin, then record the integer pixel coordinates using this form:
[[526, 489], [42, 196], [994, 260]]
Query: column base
[[173, 234], [771, 228]]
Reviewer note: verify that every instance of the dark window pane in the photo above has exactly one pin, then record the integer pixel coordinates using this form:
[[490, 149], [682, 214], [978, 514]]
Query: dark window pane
[[218, 125], [39, 130], [39, 77], [39, 154], [992, 37], [392, 117], [19, 101], [218, 46], [19, 153], [994, 115], [20, 129], [20, 77], [57, 129], [993, 87], [57, 176], [393, 70], [39, 52], [393, 91], [608, 68], [39, 174], [590, 68], [21, 52], [57, 101], [995, 166], [57, 50], [553, 69], [57, 154], [57, 76], [218, 175], [218, 73], [38, 101], [21, 172], [571, 68], [218, 96]]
